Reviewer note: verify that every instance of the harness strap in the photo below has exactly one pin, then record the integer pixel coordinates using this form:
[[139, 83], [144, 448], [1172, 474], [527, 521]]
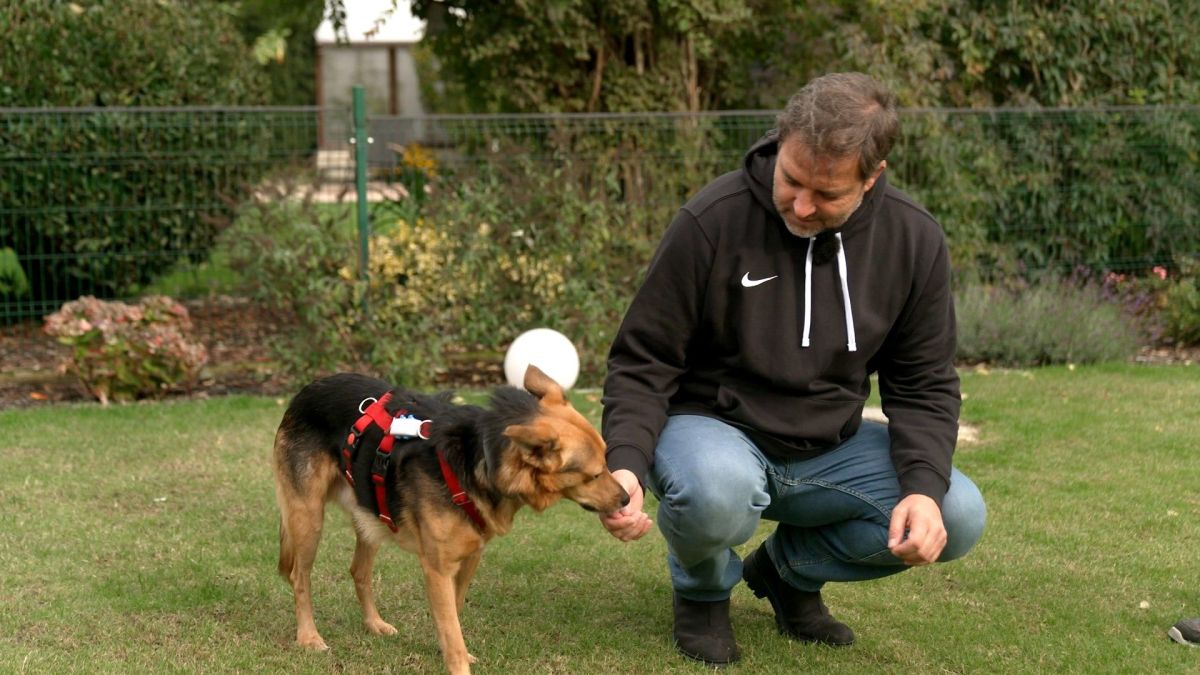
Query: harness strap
[[377, 414], [458, 495], [383, 457]]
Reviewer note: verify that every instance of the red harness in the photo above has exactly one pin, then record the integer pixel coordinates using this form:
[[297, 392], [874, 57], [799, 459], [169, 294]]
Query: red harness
[[377, 414]]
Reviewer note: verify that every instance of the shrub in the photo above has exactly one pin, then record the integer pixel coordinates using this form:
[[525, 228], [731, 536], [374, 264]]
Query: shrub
[[540, 248], [129, 53], [98, 193], [301, 257], [123, 352], [1054, 322], [511, 249], [12, 277], [1164, 304]]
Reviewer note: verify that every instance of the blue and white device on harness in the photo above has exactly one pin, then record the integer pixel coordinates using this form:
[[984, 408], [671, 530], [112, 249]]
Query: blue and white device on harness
[[407, 426]]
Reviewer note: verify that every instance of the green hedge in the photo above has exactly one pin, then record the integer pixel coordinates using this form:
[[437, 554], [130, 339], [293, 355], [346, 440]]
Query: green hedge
[[100, 200], [1031, 191]]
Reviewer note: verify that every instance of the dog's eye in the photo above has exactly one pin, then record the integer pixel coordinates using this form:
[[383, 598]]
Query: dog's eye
[[596, 476]]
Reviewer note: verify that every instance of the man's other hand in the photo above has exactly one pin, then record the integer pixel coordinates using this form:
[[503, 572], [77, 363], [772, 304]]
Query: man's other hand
[[917, 534]]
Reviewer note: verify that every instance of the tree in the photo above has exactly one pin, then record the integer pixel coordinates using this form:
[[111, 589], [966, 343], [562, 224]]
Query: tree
[[583, 55], [282, 33], [977, 53], [630, 55]]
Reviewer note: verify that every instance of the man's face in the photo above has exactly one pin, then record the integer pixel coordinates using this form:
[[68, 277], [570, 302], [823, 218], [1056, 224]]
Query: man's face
[[814, 194]]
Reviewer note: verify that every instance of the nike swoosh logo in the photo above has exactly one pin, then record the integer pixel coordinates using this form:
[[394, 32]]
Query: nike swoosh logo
[[751, 283]]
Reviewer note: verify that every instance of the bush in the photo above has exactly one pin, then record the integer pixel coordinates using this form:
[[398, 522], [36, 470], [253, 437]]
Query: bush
[[100, 194], [123, 352], [1025, 192], [1183, 312], [1051, 323], [511, 249], [1165, 304], [12, 277], [291, 254], [129, 53]]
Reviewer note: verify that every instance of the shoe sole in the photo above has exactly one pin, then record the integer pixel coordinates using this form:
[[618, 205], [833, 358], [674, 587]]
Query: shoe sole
[[708, 662], [762, 589], [1175, 635]]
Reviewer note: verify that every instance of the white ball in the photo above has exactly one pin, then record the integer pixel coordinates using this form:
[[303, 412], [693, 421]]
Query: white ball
[[547, 349]]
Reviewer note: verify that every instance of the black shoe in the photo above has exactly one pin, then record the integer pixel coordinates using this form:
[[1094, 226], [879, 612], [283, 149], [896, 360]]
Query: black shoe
[[703, 632], [798, 614], [1186, 632]]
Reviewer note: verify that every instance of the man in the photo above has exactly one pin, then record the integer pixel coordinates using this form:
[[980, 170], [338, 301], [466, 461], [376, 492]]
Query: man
[[737, 379]]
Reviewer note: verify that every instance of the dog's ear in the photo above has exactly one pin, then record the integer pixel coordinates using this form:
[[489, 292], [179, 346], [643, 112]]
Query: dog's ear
[[538, 443], [543, 386]]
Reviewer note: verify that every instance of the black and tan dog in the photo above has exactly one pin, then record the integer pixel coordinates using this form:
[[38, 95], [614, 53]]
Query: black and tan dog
[[522, 450]]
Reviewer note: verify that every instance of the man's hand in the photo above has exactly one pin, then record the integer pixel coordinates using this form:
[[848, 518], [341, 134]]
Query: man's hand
[[919, 517], [630, 522]]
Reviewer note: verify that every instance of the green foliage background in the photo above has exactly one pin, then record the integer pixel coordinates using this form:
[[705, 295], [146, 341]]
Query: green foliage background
[[104, 200], [129, 53], [578, 55]]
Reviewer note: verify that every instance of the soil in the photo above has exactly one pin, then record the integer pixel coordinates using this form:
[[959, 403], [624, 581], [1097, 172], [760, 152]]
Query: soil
[[236, 332]]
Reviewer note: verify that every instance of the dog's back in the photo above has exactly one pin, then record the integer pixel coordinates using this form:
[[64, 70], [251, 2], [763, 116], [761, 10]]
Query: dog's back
[[316, 423]]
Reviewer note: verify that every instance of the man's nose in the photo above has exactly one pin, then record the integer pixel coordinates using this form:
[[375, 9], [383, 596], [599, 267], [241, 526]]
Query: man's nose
[[803, 205]]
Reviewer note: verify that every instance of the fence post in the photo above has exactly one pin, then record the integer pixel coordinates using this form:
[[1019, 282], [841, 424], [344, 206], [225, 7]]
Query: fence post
[[361, 141]]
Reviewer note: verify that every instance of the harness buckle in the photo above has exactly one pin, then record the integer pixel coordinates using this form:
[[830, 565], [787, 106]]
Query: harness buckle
[[379, 467]]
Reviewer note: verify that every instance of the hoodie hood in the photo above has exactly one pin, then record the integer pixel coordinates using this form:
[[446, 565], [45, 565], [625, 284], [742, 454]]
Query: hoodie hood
[[759, 166]]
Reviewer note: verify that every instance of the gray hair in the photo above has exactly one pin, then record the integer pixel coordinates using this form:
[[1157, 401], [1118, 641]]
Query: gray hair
[[842, 115]]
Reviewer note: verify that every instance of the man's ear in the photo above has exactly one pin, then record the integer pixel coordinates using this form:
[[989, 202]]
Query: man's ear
[[870, 183]]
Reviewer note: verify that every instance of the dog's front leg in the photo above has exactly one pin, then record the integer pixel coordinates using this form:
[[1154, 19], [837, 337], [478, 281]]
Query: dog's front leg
[[440, 588], [462, 580]]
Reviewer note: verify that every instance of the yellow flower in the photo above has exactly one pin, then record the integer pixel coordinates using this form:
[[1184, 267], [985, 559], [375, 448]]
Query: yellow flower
[[419, 158]]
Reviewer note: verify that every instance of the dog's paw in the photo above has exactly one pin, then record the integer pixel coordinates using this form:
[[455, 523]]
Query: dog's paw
[[312, 643], [471, 659], [381, 627]]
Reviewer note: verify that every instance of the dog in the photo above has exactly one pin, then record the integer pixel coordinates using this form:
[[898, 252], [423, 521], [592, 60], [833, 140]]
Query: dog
[[528, 447]]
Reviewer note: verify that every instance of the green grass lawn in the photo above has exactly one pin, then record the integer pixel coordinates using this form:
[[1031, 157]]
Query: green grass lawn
[[142, 538]]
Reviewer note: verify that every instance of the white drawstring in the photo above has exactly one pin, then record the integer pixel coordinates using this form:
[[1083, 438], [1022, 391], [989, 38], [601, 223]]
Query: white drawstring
[[852, 345], [808, 292]]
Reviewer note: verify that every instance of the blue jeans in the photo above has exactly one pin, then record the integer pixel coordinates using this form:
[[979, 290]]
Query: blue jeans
[[714, 485]]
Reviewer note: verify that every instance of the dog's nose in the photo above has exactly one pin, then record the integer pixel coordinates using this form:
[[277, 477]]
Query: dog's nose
[[624, 497]]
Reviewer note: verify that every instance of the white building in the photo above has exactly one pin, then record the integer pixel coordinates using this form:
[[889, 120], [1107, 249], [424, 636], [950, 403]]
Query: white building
[[378, 54]]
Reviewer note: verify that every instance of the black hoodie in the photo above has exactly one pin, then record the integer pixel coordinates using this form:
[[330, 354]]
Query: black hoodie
[[717, 328]]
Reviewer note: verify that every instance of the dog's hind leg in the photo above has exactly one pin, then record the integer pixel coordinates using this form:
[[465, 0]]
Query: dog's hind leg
[[360, 570], [301, 522]]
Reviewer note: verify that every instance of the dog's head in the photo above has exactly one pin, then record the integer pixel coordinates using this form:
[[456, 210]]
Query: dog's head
[[558, 454]]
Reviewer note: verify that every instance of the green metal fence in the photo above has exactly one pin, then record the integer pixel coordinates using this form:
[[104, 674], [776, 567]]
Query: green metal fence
[[104, 201]]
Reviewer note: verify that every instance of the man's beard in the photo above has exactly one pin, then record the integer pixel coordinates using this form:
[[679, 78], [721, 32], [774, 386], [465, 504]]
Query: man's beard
[[809, 229]]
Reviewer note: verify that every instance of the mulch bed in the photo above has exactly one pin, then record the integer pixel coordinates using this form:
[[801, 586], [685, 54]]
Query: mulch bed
[[237, 332]]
